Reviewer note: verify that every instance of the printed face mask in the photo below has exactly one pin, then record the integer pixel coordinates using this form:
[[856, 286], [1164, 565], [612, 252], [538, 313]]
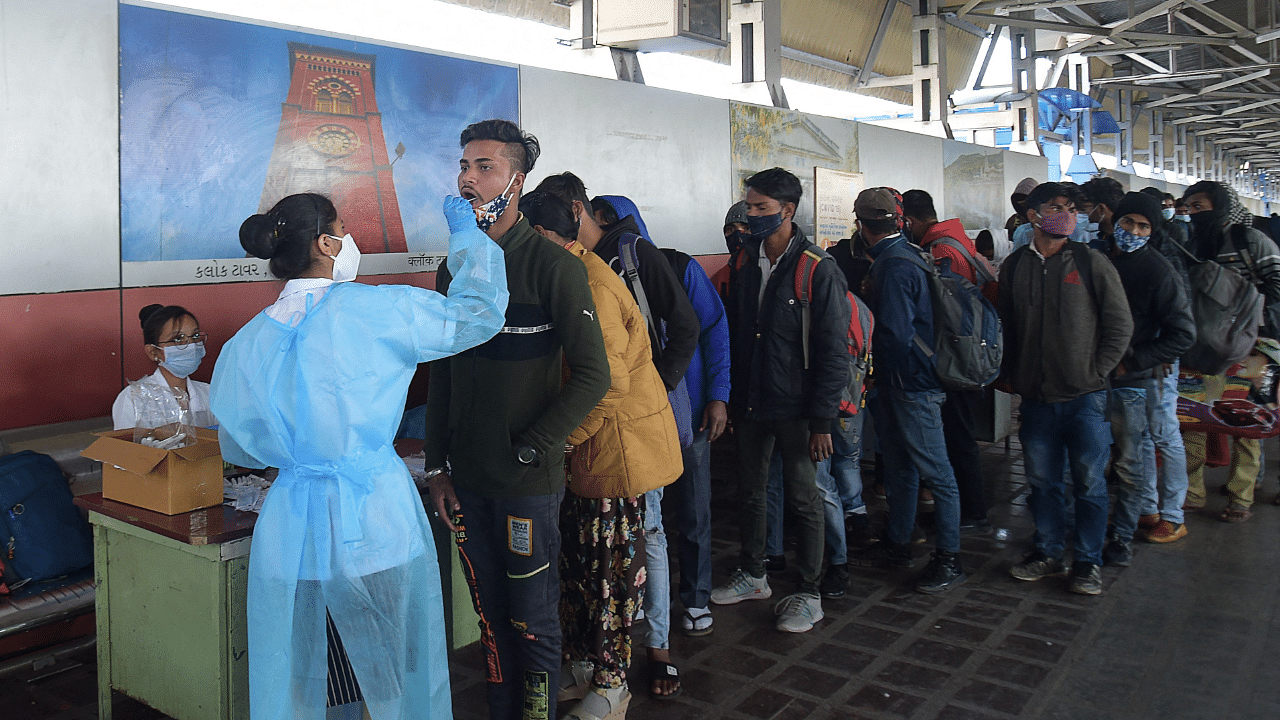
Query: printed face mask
[[1167, 213], [183, 360], [1059, 224], [1127, 241], [346, 264], [488, 213], [762, 226]]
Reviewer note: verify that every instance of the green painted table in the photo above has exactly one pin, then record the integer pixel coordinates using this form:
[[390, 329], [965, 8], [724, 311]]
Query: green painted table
[[171, 593]]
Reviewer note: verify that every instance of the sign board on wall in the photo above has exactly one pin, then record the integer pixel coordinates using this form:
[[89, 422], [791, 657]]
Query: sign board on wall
[[221, 119], [833, 195]]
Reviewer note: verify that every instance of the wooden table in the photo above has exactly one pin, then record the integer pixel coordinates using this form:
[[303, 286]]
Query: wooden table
[[171, 608]]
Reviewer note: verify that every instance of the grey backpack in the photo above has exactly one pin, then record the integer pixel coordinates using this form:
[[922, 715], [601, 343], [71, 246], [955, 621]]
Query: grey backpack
[[1227, 309]]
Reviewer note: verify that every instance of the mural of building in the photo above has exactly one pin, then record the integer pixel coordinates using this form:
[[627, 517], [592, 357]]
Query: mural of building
[[331, 141]]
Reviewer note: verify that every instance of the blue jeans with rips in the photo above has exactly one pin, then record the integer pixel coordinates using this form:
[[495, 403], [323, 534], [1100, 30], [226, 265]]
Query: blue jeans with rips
[[914, 448], [839, 480], [657, 593], [1075, 433]]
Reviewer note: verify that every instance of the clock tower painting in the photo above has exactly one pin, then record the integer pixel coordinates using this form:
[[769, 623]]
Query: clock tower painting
[[330, 141]]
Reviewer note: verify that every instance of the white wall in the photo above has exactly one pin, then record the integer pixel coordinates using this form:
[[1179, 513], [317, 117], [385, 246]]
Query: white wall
[[59, 165], [667, 151], [901, 160]]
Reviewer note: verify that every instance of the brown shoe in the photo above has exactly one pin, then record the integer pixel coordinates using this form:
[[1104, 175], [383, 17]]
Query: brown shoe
[[1235, 514], [1146, 522], [1167, 532]]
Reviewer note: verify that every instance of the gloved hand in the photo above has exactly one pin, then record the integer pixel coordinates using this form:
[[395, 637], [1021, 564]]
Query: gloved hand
[[459, 214]]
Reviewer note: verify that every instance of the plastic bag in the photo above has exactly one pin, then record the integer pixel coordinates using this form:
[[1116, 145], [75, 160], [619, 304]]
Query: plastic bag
[[163, 416]]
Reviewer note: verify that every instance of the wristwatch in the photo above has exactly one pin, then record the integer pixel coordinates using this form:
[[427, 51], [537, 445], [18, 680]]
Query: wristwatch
[[527, 455]]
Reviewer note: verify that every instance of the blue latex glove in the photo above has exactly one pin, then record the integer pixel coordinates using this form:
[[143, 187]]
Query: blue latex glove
[[459, 214]]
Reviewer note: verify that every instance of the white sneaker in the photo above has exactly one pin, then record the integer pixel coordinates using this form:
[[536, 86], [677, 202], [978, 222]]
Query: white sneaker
[[798, 613], [741, 586]]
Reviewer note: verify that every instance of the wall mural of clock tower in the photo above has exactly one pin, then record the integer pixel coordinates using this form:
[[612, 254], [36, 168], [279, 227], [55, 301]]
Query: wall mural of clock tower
[[330, 141]]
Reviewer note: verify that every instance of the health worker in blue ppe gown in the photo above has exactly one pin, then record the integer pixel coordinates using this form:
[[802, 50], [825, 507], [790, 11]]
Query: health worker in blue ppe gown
[[344, 598]]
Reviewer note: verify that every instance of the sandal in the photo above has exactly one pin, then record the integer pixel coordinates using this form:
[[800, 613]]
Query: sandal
[[1234, 514], [664, 671], [580, 672], [697, 625], [612, 702]]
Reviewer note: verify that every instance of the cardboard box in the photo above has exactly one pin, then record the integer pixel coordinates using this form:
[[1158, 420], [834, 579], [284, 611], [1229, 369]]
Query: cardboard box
[[166, 481]]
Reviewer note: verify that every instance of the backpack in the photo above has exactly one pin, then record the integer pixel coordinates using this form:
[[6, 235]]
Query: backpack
[[981, 268], [42, 534], [681, 405], [1228, 310], [968, 341], [857, 335]]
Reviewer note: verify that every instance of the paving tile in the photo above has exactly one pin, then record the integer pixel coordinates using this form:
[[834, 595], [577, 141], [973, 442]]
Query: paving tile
[[709, 687], [809, 681], [892, 616], [977, 613], [938, 653], [993, 598], [1063, 612], [739, 661], [912, 676], [1032, 648], [885, 700], [770, 703], [841, 659], [1018, 672], [944, 627], [993, 697], [1052, 629], [856, 633], [912, 599], [955, 712]]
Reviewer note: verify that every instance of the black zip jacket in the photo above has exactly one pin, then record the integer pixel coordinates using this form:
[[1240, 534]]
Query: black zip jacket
[[769, 382], [1162, 325], [667, 298]]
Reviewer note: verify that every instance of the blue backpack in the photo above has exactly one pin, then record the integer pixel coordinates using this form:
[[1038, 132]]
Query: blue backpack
[[42, 534], [968, 341]]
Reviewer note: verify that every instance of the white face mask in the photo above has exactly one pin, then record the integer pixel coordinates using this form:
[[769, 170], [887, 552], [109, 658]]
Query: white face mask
[[182, 360], [346, 264]]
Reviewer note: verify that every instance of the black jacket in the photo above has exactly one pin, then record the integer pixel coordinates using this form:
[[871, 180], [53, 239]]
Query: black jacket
[[667, 299], [769, 382], [1162, 325], [852, 259]]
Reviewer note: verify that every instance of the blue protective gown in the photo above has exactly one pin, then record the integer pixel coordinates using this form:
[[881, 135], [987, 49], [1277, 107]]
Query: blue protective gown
[[343, 526]]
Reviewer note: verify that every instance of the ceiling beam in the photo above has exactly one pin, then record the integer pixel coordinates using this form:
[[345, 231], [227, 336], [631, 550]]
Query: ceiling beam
[[1242, 30], [1144, 16], [886, 17]]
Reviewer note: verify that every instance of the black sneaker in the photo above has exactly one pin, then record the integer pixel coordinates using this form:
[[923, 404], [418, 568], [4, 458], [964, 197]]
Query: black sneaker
[[835, 582], [1038, 565], [977, 527], [1086, 579], [775, 563], [1118, 553], [857, 530], [882, 554], [941, 574]]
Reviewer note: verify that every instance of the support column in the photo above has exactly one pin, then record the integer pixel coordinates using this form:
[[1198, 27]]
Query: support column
[[929, 69], [582, 23], [1155, 140], [755, 46], [1026, 127], [1082, 166]]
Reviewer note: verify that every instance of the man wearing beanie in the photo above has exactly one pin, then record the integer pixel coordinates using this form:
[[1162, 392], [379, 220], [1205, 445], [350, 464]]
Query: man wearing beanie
[[1066, 327], [1162, 331]]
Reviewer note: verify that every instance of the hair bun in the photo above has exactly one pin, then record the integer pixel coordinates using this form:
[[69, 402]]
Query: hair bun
[[148, 311], [260, 235]]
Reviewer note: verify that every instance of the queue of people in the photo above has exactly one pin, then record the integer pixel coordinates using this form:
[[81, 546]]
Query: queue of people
[[579, 374]]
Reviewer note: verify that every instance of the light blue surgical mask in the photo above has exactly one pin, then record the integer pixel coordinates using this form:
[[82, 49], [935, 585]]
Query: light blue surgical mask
[[1168, 213], [183, 360], [1183, 218]]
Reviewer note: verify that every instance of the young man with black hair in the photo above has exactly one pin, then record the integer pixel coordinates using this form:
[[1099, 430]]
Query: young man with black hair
[[1066, 326], [777, 398], [946, 240], [910, 399], [668, 301], [497, 419]]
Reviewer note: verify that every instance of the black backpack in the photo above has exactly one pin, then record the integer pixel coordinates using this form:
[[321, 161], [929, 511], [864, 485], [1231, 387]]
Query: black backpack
[[1227, 307], [42, 533]]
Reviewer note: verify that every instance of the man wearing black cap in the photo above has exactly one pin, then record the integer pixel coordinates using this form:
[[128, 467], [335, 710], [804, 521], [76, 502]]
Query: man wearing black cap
[[1162, 331], [1066, 326], [909, 397], [780, 395]]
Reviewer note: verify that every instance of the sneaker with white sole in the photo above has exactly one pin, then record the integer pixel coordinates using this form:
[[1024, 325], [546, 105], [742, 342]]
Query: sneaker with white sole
[[741, 586], [798, 613]]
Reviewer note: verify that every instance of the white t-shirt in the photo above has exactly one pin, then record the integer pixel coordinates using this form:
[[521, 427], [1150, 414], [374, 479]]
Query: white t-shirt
[[124, 414]]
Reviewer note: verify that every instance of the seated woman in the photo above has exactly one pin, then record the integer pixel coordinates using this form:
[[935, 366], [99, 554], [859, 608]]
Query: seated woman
[[627, 446], [173, 340]]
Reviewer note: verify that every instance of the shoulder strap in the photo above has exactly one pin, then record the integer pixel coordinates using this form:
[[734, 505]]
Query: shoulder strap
[[1084, 266], [805, 267], [980, 269], [1239, 238], [1169, 236], [631, 269]]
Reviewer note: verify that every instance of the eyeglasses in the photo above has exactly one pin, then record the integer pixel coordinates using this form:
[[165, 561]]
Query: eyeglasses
[[198, 338]]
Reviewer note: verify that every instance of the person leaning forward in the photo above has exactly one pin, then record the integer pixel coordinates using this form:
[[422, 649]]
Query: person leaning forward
[[499, 416]]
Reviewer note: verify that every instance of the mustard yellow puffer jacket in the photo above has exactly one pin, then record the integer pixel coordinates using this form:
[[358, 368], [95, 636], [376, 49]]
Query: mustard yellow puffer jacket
[[628, 445]]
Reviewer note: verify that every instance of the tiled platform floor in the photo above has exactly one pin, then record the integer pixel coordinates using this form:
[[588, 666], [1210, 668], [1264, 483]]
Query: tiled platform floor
[[1187, 632]]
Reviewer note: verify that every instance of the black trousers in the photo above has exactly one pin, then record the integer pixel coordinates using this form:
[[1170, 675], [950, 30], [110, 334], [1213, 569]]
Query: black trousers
[[959, 415]]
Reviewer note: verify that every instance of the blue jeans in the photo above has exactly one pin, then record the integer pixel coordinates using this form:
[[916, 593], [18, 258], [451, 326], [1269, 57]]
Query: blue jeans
[[912, 443], [657, 594], [1166, 432], [691, 510], [1075, 433], [773, 507], [1134, 464], [839, 480]]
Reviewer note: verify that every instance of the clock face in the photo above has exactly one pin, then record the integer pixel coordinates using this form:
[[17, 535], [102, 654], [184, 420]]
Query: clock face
[[334, 140]]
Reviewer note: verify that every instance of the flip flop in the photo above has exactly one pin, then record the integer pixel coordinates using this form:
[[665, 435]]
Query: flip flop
[[664, 671], [691, 624]]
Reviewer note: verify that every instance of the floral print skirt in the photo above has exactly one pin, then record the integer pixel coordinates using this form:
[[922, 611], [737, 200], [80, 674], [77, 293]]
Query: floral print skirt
[[602, 578]]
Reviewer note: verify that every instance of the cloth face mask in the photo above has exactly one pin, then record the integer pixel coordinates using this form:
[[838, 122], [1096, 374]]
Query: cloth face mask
[[488, 213], [346, 264], [1059, 224], [183, 360], [1167, 213], [1127, 241], [762, 226]]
